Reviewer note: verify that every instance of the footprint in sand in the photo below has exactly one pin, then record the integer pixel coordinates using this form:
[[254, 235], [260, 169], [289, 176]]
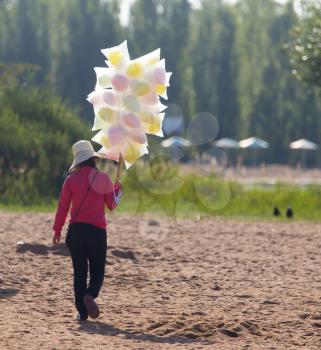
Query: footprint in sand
[[316, 317], [304, 316], [229, 332], [251, 327], [124, 254], [316, 324]]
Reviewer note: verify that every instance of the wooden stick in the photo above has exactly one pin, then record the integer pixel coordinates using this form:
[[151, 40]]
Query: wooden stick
[[119, 167]]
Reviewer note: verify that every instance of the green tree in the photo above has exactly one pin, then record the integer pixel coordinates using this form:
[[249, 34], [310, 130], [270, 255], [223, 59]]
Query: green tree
[[150, 27], [305, 50], [252, 51], [214, 63], [87, 27]]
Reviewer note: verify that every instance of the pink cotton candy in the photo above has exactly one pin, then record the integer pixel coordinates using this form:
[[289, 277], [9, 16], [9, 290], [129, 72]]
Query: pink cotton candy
[[116, 134], [151, 98], [112, 154], [159, 76], [109, 98], [120, 82], [139, 137], [131, 120]]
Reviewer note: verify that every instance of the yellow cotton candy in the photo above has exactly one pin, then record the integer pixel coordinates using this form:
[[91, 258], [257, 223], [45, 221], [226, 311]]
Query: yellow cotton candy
[[114, 57], [107, 114], [141, 89], [135, 70], [154, 127], [132, 154], [147, 118], [152, 61], [104, 141], [160, 89]]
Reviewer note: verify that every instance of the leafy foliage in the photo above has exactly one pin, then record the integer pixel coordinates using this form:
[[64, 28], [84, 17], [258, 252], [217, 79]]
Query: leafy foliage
[[36, 130], [305, 49]]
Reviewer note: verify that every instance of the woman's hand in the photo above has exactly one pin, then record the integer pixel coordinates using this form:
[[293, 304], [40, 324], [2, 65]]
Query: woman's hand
[[55, 239]]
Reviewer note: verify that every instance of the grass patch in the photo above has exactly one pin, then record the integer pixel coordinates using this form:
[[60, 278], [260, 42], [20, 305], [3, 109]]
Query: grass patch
[[164, 190], [229, 200], [33, 208]]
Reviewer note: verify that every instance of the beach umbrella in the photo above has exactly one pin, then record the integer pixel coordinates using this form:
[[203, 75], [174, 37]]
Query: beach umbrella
[[176, 141], [253, 143], [303, 145], [226, 143], [126, 102]]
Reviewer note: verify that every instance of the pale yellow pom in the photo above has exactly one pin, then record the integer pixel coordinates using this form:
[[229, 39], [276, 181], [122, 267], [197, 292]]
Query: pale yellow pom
[[152, 61], [135, 69], [160, 89], [107, 114], [155, 127], [132, 154], [114, 57], [141, 88], [104, 141], [147, 118]]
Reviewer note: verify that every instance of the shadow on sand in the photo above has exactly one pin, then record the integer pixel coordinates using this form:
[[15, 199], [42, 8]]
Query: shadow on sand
[[42, 249], [8, 292], [102, 328]]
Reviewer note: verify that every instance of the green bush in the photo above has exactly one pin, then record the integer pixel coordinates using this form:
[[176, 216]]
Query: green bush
[[37, 130]]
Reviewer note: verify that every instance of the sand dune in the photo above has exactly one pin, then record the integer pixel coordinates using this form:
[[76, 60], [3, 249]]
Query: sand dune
[[170, 284]]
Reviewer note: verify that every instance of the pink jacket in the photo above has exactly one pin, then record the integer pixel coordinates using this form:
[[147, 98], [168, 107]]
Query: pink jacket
[[92, 210]]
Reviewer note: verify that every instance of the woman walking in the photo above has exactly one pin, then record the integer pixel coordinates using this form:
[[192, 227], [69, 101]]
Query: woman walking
[[88, 191]]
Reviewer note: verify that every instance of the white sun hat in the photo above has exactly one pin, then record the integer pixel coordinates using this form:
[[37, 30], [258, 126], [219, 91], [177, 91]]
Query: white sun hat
[[82, 150]]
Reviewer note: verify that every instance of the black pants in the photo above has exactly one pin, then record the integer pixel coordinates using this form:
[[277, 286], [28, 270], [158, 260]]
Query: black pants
[[87, 244]]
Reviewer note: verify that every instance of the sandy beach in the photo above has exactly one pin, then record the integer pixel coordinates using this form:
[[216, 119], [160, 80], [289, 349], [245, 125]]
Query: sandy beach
[[170, 284]]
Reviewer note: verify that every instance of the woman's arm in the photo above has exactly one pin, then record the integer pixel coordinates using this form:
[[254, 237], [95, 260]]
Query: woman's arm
[[63, 208]]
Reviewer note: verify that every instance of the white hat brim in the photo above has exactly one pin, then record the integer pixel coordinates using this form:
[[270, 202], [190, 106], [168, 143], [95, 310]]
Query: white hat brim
[[83, 158]]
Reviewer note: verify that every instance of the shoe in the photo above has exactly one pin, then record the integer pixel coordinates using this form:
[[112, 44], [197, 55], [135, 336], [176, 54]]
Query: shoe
[[81, 318], [91, 306]]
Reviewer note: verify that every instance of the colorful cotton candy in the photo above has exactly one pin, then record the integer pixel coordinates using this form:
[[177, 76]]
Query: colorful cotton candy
[[120, 82], [109, 98], [159, 76], [116, 134], [131, 120], [139, 137], [127, 104]]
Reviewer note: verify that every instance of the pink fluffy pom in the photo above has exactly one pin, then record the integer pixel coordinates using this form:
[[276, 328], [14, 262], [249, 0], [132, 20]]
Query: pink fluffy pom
[[139, 137], [159, 76], [109, 98], [120, 82], [131, 120], [116, 134], [151, 98], [112, 154]]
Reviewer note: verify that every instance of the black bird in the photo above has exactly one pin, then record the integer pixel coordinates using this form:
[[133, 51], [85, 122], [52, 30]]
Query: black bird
[[276, 211], [289, 212]]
